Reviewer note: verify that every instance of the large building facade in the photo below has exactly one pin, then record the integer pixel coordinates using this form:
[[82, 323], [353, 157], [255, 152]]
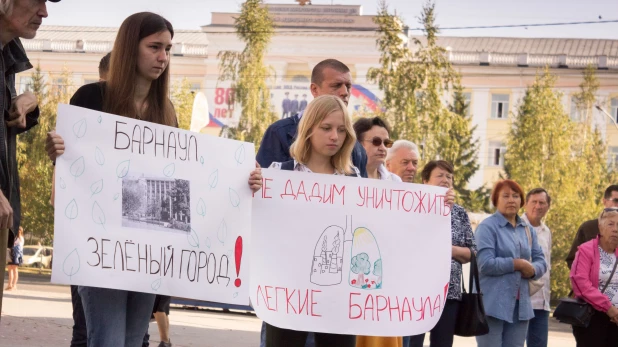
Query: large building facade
[[495, 71]]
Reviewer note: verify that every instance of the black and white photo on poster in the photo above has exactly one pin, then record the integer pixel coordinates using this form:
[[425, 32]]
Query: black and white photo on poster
[[156, 203]]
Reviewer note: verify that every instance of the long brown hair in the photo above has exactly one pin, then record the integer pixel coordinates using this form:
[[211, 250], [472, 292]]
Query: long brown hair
[[122, 74]]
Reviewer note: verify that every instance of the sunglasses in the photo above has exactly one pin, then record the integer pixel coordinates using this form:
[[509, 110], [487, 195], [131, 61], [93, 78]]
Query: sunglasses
[[376, 141], [609, 209]]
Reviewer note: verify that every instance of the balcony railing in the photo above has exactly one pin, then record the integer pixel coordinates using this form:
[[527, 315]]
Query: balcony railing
[[79, 46], [539, 60]]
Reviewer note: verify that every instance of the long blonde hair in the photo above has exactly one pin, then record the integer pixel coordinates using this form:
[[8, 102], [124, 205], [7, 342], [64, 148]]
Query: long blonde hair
[[315, 113]]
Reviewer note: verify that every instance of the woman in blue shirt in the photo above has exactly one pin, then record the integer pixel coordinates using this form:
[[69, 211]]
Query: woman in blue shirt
[[506, 264]]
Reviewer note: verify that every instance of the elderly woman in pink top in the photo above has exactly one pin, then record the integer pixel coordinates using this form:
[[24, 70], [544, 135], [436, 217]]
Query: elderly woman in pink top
[[590, 273]]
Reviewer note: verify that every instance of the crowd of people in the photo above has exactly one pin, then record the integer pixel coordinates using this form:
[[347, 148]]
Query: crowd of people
[[513, 252]]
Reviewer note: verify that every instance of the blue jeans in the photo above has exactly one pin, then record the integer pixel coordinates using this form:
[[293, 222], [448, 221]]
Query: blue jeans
[[503, 333], [310, 337], [116, 318], [538, 329]]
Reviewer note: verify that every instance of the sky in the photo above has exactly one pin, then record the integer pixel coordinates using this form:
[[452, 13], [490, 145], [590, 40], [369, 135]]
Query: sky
[[191, 14]]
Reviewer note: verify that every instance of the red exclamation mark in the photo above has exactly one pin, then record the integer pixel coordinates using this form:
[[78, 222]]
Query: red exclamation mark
[[237, 258]]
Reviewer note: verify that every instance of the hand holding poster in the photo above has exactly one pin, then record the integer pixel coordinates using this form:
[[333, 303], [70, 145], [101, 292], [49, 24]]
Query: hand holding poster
[[150, 208], [350, 256]]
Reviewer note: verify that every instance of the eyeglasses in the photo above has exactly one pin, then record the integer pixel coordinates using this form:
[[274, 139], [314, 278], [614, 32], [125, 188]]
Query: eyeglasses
[[376, 141]]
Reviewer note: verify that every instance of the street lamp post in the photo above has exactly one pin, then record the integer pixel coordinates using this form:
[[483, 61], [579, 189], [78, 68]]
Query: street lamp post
[[607, 114]]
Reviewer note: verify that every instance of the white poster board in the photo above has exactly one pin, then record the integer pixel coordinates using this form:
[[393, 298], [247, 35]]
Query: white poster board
[[150, 208], [347, 255]]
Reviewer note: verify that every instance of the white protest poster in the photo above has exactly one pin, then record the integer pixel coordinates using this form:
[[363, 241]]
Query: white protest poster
[[348, 255], [150, 208]]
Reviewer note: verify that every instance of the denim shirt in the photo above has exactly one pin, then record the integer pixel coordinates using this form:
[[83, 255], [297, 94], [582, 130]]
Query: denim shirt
[[498, 244]]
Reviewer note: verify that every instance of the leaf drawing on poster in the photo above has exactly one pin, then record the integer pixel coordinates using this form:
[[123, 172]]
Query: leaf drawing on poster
[[194, 239], [239, 155], [71, 210], [366, 262], [96, 187], [123, 169], [79, 128], [156, 284], [71, 264], [327, 266], [234, 198], [213, 179], [116, 196], [222, 232], [98, 216], [208, 242], [99, 157], [169, 170], [78, 167], [62, 184], [202, 160], [201, 207], [99, 119]]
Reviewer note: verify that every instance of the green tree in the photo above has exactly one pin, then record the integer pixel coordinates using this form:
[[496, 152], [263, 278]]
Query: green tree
[[248, 72], [35, 169], [413, 83], [182, 97], [397, 75], [544, 149]]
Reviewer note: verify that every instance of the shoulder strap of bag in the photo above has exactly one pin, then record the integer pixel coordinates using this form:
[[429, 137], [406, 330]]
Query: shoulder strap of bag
[[529, 234], [474, 274], [610, 276], [288, 165]]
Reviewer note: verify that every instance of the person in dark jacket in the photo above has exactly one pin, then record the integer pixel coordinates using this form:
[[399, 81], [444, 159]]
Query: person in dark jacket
[[590, 229], [329, 77], [18, 19]]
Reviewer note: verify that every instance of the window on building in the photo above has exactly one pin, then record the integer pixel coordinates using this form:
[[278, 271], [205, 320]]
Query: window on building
[[614, 110], [468, 97], [90, 80], [300, 78], [196, 87], [496, 153], [575, 114], [499, 106], [25, 84], [612, 161], [59, 86]]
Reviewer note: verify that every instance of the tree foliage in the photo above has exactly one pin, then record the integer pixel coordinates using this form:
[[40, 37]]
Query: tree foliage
[[545, 148], [414, 82], [182, 99], [35, 169], [248, 72]]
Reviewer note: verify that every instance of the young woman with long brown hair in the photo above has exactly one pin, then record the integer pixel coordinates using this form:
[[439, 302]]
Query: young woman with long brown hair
[[137, 87]]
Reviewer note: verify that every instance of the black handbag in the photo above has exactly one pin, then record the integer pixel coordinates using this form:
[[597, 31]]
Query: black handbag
[[471, 319], [576, 311]]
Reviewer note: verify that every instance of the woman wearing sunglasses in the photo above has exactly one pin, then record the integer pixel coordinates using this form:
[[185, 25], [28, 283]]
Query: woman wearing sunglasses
[[374, 135]]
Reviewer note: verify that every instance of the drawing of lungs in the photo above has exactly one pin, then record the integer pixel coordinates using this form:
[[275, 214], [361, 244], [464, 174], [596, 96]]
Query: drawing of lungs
[[366, 261], [327, 266]]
